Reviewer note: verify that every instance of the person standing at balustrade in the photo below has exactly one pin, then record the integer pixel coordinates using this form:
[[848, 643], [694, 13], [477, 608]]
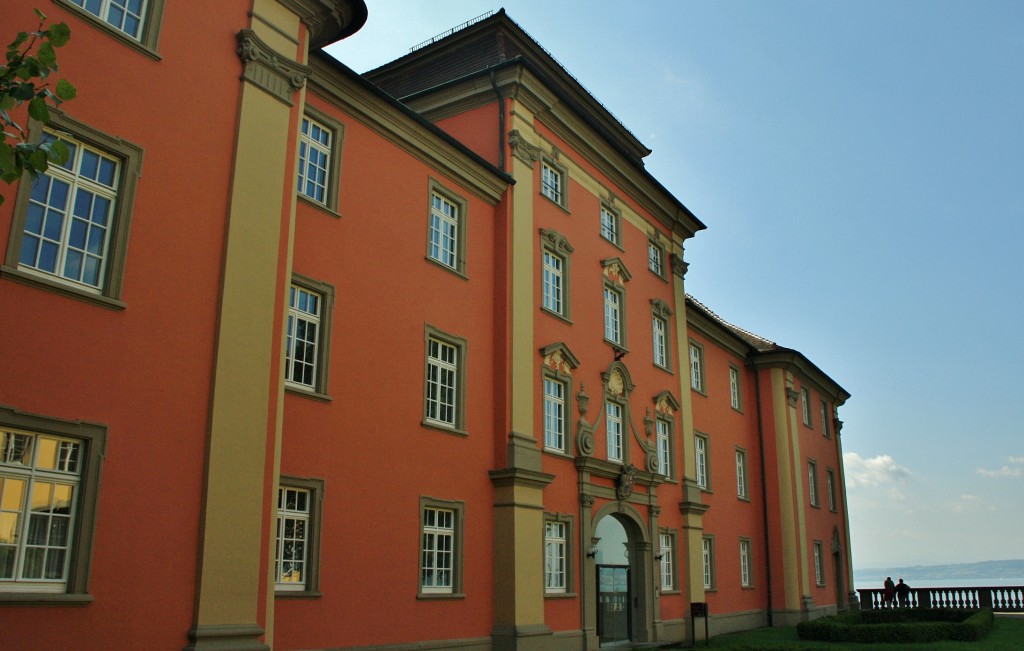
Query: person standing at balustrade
[[889, 592], [903, 593]]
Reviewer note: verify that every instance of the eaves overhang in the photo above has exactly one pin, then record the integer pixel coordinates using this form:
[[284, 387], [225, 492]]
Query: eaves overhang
[[329, 20]]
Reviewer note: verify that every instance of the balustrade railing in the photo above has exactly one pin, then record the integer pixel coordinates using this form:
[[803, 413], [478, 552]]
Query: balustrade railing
[[1005, 599]]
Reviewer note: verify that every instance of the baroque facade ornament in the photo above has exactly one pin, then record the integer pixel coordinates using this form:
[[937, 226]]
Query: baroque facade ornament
[[263, 67], [522, 149], [679, 267], [556, 241], [624, 484]]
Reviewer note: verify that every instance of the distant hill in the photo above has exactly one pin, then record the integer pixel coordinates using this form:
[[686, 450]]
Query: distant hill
[[1012, 569]]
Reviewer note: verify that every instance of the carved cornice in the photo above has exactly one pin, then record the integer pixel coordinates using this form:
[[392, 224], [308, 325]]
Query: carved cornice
[[661, 308], [792, 395], [269, 70], [522, 149], [558, 357], [679, 267], [556, 241], [328, 20], [615, 271]]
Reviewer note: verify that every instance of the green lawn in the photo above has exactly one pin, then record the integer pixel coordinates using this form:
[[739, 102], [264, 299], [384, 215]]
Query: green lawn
[[1007, 635]]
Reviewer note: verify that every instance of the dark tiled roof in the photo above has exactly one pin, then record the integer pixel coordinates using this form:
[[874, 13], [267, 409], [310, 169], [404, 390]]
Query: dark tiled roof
[[757, 342]]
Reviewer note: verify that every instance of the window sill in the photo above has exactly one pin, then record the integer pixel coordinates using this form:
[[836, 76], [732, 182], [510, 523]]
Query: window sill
[[313, 203], [42, 282], [673, 591], [430, 596], [447, 429], [561, 454], [307, 393], [748, 587], [620, 349], [556, 315], [44, 599], [297, 594], [663, 368], [443, 266], [560, 595], [743, 498], [699, 392], [556, 203], [613, 243]]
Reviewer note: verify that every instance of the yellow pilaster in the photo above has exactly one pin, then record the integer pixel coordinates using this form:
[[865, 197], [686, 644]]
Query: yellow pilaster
[[788, 488]]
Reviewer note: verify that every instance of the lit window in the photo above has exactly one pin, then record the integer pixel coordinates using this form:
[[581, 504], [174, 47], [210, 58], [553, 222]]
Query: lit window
[[812, 481], [664, 434], [746, 579], [734, 387], [701, 458], [437, 565], [819, 563], [306, 337], [49, 471], [554, 414], [708, 560], [656, 258], [613, 315], [315, 146], [613, 419], [610, 225], [741, 474], [297, 544], [552, 183], [696, 368], [668, 572], [555, 556]]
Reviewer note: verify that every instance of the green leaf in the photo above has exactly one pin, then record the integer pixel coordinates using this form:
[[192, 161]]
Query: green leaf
[[37, 160], [66, 91], [7, 103], [18, 40], [59, 34], [45, 55], [59, 152], [23, 92], [40, 15], [38, 110]]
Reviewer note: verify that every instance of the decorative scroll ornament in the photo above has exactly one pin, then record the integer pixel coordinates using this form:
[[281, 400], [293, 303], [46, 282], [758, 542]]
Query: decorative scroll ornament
[[263, 67], [792, 395], [624, 485], [522, 149], [679, 267]]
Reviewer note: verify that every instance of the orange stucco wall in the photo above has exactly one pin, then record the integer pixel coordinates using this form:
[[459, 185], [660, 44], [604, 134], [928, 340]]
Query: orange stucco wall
[[144, 371]]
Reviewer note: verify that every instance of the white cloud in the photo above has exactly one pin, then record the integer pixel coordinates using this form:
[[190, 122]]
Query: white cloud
[[1017, 460], [1005, 471], [881, 469]]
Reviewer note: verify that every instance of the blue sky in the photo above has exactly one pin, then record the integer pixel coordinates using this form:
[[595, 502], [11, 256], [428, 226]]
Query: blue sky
[[859, 167]]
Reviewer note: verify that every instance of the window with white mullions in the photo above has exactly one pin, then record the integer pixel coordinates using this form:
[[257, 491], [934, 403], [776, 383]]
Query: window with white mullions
[[315, 143], [554, 557], [613, 423], [656, 258], [554, 414], [551, 183], [746, 578], [667, 563], [701, 460], [127, 16], [303, 337], [609, 225], [438, 548], [39, 482], [664, 434], [553, 283], [442, 376], [293, 538], [659, 328], [444, 230], [612, 315], [69, 217]]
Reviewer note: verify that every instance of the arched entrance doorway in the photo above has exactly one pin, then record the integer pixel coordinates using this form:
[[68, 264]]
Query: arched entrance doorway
[[621, 580]]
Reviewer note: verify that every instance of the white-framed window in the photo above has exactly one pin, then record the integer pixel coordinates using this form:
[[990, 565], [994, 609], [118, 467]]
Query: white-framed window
[[444, 230], [659, 329], [664, 440], [316, 143], [70, 217], [302, 340], [708, 560], [741, 474], [701, 459], [666, 548], [613, 315], [812, 481], [656, 258], [696, 367], [291, 551], [825, 430], [746, 578], [40, 477], [127, 16], [734, 387], [442, 382], [610, 229], [555, 557], [805, 406], [613, 424], [437, 566], [49, 484], [819, 563], [554, 283], [830, 487], [552, 183], [554, 414]]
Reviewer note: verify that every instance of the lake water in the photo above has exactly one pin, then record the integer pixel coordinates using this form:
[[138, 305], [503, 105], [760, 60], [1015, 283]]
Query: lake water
[[941, 583]]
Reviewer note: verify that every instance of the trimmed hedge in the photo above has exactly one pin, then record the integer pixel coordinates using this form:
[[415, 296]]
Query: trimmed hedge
[[900, 625]]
